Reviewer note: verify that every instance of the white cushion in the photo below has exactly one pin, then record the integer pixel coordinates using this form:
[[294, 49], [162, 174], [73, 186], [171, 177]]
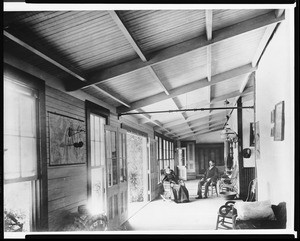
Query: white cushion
[[259, 210]]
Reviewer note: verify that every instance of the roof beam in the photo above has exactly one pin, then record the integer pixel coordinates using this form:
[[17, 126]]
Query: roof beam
[[201, 127], [247, 92], [279, 12], [208, 25], [154, 75], [207, 128], [188, 88], [127, 35], [176, 102], [184, 47], [233, 94], [42, 55], [263, 43], [201, 123], [111, 96], [57, 64], [192, 118], [157, 123], [202, 132]]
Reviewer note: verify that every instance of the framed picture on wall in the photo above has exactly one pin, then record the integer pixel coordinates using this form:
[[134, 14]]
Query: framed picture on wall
[[66, 139], [279, 122], [252, 137]]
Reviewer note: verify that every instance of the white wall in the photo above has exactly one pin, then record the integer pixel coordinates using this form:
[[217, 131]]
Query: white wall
[[275, 83]]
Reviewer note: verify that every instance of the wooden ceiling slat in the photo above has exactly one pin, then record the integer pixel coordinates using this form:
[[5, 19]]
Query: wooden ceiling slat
[[93, 27], [163, 19], [190, 45], [190, 87]]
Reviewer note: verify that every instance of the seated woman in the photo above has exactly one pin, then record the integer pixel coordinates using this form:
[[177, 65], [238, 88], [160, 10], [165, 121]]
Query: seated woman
[[179, 192], [170, 176]]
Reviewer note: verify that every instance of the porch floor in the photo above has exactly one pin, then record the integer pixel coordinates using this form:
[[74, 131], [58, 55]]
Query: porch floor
[[160, 215]]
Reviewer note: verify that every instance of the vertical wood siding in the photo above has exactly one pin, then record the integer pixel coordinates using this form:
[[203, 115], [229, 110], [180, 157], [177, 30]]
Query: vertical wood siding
[[67, 185]]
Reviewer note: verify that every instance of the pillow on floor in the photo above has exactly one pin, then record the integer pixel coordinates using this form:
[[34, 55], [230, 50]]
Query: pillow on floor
[[260, 210]]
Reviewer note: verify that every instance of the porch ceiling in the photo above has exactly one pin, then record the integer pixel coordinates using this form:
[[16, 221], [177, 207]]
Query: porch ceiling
[[149, 60]]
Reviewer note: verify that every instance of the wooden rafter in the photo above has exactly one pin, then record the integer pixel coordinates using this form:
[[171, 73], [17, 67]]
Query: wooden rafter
[[192, 118], [217, 128], [42, 55], [279, 12], [111, 96], [208, 26], [199, 115], [188, 88], [201, 127], [263, 43], [127, 35], [57, 64], [184, 47], [233, 94], [154, 75], [157, 123]]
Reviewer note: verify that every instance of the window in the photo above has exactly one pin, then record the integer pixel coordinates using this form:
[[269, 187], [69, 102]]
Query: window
[[21, 156], [97, 159], [97, 117], [165, 153], [122, 157], [111, 150]]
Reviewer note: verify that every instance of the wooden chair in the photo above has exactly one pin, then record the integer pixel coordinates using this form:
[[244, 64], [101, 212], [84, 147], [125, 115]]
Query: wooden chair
[[212, 189], [226, 217]]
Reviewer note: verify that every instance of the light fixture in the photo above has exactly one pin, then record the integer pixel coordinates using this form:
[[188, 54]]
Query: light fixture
[[227, 134]]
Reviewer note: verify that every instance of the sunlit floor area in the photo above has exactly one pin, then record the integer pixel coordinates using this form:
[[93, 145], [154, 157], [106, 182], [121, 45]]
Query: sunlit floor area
[[160, 215]]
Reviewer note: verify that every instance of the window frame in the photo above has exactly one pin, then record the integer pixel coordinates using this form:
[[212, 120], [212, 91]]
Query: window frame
[[40, 180], [92, 108], [164, 159]]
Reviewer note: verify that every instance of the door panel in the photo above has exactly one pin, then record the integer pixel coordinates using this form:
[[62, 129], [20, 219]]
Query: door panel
[[182, 170], [153, 163], [117, 188], [123, 186], [191, 171]]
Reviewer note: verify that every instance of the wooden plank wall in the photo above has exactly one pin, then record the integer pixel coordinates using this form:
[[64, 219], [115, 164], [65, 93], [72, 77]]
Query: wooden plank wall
[[247, 175], [67, 185]]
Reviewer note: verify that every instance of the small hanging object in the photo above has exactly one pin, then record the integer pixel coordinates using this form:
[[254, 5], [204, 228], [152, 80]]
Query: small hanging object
[[247, 153]]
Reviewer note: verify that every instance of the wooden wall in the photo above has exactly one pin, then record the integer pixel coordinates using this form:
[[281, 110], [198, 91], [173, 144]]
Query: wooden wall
[[67, 185]]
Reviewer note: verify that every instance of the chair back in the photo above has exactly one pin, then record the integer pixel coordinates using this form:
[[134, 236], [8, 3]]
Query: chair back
[[221, 171], [251, 191]]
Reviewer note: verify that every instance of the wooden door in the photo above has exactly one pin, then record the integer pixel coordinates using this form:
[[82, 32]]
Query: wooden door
[[182, 170], [123, 186], [152, 172], [97, 162], [116, 165], [206, 152], [191, 172]]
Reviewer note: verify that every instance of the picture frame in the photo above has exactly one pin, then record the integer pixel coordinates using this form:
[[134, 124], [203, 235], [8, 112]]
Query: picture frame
[[272, 116], [252, 136], [279, 122], [65, 135]]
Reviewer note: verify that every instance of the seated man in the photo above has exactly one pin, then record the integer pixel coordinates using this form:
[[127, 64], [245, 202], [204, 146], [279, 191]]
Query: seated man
[[211, 175]]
